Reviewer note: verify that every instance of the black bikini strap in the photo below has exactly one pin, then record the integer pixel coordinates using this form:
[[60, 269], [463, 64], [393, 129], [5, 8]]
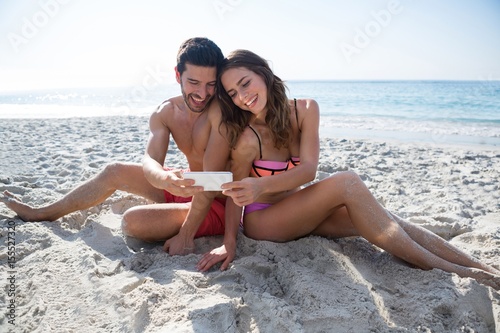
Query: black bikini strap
[[258, 138], [296, 113]]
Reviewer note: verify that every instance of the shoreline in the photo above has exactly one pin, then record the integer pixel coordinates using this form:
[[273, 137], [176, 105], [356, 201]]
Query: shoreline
[[325, 131], [399, 137]]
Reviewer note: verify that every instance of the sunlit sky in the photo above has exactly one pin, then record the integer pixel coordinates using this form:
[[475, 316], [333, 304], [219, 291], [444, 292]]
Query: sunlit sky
[[90, 43]]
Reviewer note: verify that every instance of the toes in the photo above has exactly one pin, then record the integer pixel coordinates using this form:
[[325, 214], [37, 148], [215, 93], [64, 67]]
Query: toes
[[9, 196]]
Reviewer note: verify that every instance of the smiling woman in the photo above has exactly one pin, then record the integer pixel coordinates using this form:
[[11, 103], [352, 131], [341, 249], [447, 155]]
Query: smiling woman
[[282, 206]]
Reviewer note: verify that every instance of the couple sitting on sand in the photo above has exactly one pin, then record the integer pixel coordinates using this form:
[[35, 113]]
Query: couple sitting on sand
[[271, 145]]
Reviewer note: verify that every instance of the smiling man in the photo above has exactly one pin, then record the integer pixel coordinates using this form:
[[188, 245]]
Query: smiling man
[[181, 211]]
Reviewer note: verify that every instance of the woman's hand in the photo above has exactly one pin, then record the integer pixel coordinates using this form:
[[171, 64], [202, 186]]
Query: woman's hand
[[225, 253], [243, 192]]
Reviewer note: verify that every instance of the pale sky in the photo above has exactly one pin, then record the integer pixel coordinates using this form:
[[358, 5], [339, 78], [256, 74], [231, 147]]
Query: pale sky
[[90, 43]]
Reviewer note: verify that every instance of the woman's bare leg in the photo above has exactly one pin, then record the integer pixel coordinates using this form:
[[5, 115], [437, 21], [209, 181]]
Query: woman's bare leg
[[441, 247], [339, 225], [304, 211], [126, 177]]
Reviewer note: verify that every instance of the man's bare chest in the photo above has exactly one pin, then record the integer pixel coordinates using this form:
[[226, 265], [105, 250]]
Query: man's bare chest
[[192, 139]]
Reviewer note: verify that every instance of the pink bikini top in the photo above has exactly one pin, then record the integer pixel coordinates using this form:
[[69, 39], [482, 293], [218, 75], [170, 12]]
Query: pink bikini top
[[263, 168]]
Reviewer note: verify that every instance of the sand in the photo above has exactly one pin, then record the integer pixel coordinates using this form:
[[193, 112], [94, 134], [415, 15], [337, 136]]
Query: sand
[[79, 275]]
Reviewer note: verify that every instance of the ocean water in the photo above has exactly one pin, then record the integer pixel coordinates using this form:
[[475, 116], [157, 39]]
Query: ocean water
[[453, 112], [466, 112]]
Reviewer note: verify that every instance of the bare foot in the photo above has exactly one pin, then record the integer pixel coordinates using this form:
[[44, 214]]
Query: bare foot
[[485, 278], [25, 212], [487, 268]]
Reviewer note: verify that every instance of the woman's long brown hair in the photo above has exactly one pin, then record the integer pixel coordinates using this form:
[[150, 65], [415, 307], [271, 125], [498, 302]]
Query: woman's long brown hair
[[278, 113]]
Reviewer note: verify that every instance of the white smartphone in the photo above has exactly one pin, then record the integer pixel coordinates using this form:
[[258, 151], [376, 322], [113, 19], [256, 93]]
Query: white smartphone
[[210, 180]]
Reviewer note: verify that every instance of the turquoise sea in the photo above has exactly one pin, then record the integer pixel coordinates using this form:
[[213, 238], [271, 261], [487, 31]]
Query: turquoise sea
[[464, 112]]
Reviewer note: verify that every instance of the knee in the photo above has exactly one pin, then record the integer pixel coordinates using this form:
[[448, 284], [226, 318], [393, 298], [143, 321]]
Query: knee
[[114, 169], [129, 223], [350, 178], [348, 182], [125, 225], [115, 174]]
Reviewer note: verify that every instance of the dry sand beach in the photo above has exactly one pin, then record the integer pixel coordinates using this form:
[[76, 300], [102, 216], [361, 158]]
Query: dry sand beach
[[78, 274]]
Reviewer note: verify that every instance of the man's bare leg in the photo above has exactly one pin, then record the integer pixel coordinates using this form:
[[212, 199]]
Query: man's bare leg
[[127, 177], [153, 223]]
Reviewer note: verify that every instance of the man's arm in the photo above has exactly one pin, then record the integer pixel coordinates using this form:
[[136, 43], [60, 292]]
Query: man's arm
[[156, 152], [227, 251], [241, 163]]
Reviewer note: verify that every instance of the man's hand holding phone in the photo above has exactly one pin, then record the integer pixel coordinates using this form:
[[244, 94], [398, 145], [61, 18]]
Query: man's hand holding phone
[[177, 185]]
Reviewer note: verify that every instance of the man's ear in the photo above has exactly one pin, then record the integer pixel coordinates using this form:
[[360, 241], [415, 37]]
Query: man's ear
[[177, 75]]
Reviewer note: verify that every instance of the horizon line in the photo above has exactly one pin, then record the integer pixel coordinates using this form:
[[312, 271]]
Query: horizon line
[[97, 87]]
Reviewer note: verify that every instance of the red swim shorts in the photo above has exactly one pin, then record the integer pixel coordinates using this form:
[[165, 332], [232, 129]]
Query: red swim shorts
[[214, 222]]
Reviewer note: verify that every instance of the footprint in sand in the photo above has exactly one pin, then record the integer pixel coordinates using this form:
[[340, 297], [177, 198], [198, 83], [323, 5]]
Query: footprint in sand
[[140, 262]]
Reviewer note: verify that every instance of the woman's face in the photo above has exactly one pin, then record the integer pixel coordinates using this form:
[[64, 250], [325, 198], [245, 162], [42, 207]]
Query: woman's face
[[246, 88]]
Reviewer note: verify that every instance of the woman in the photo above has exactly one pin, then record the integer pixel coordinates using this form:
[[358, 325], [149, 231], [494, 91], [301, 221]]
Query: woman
[[276, 142]]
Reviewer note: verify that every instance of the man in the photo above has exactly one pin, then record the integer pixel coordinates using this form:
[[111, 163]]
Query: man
[[193, 122]]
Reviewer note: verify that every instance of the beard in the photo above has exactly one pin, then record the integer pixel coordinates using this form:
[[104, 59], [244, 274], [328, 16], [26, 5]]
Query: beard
[[189, 102]]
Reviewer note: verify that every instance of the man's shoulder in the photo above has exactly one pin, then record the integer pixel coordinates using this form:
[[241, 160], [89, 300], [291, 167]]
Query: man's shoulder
[[165, 114], [170, 104]]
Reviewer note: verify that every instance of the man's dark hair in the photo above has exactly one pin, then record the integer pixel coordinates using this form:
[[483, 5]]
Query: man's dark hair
[[198, 51]]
